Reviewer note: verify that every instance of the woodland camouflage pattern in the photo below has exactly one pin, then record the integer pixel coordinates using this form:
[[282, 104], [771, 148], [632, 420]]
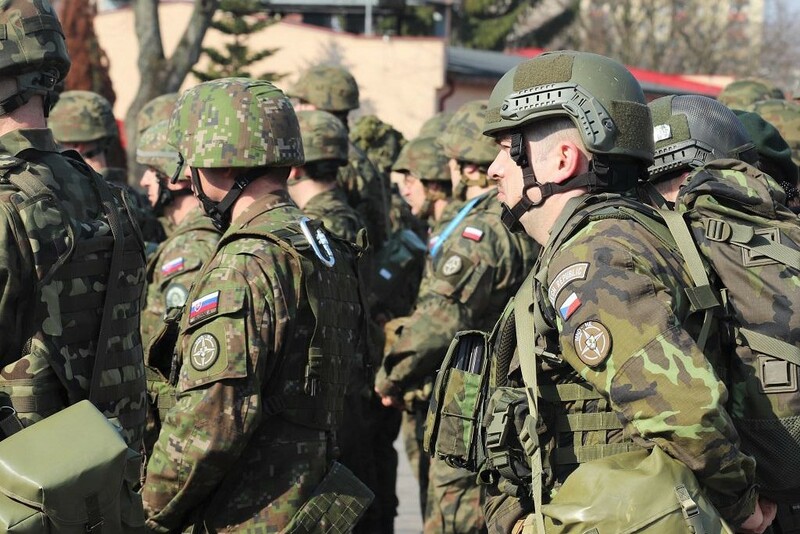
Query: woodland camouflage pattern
[[236, 122], [81, 117], [422, 157], [61, 319], [219, 455], [436, 124], [338, 217], [463, 139], [154, 151], [367, 190], [785, 116], [379, 141], [324, 136], [25, 51], [741, 94], [157, 110], [327, 87]]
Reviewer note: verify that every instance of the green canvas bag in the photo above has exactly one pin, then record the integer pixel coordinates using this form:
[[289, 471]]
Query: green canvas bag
[[69, 473]]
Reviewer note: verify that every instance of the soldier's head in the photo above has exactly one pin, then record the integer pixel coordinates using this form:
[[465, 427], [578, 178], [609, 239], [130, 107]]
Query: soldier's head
[[689, 131], [33, 57], [426, 176], [84, 121], [231, 133], [328, 88], [157, 110], [741, 94], [325, 146], [774, 154], [469, 153], [162, 164], [572, 122], [379, 140]]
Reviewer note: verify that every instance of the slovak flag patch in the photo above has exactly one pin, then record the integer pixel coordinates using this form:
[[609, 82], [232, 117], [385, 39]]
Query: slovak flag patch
[[570, 306], [172, 266], [204, 306], [470, 232]]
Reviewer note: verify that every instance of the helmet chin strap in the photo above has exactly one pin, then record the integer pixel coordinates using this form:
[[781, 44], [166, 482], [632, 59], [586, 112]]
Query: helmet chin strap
[[220, 212], [167, 196]]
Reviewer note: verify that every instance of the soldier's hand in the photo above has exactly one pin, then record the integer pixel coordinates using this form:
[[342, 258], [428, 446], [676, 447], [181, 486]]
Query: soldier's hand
[[761, 519], [391, 402]]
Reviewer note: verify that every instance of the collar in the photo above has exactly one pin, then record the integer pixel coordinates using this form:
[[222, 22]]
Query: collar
[[279, 199], [41, 139]]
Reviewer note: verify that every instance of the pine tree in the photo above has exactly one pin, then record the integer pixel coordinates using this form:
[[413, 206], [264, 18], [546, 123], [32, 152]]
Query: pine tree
[[237, 19]]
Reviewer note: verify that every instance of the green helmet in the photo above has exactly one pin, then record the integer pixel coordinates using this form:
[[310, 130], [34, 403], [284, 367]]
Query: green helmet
[[436, 124], [324, 136], [236, 122], [379, 141], [598, 94], [82, 117], [157, 110], [462, 139], [33, 49], [691, 130], [423, 158], [741, 94], [785, 116], [327, 87], [154, 151]]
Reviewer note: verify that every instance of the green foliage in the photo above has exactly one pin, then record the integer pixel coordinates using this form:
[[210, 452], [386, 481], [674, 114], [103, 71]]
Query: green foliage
[[237, 19]]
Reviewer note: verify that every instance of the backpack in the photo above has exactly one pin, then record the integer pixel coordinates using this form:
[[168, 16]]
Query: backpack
[[738, 226]]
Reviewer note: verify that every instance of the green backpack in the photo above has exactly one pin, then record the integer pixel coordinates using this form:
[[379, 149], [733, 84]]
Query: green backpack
[[738, 226]]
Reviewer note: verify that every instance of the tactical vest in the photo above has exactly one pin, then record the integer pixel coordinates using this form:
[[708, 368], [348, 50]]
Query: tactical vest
[[327, 343], [82, 337]]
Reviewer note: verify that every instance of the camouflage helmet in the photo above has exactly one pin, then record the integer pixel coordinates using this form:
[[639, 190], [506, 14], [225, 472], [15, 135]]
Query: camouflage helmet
[[379, 140], [423, 158], [236, 122], [598, 94], [462, 139], [785, 116], [34, 49], [691, 130], [327, 87], [741, 94], [324, 136], [154, 151], [82, 117], [436, 124], [157, 110]]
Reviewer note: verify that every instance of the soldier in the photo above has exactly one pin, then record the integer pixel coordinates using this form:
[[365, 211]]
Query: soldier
[[741, 94], [477, 267], [84, 121], [264, 346], [171, 270], [582, 344], [157, 110], [333, 89], [72, 261]]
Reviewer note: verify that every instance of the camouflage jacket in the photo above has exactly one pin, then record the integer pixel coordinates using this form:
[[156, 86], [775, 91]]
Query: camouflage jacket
[[332, 209], [150, 226], [479, 268], [368, 193], [55, 260], [617, 316], [221, 457]]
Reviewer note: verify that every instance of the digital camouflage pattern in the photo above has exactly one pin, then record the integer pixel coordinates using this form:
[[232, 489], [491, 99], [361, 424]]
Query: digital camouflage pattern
[[785, 116], [154, 151], [380, 141], [435, 125], [327, 87], [332, 209], [157, 110], [423, 158], [223, 456], [741, 94], [56, 258], [593, 278], [82, 117], [26, 51], [236, 122], [324, 136], [463, 140]]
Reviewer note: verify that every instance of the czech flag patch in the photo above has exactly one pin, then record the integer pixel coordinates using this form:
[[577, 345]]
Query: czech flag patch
[[570, 306], [470, 232], [204, 306], [172, 266]]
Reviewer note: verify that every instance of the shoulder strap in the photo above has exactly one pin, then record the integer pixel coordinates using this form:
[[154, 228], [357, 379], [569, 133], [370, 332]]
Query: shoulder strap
[[451, 226]]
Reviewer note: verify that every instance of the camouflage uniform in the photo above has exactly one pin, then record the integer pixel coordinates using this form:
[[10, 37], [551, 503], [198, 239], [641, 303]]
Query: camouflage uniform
[[250, 437], [596, 279], [62, 329], [157, 110], [785, 116], [741, 94]]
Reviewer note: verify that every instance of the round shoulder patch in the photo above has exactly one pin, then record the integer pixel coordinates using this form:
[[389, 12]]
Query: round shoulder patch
[[592, 343], [452, 265], [175, 296], [205, 351]]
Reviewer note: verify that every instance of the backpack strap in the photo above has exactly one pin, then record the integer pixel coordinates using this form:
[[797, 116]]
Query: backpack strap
[[744, 236], [771, 346]]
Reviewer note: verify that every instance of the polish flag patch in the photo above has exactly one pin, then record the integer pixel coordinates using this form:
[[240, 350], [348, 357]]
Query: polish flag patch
[[470, 232], [172, 266], [204, 306], [570, 306]]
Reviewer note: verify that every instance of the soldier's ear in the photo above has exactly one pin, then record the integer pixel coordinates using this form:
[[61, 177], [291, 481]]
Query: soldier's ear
[[569, 160]]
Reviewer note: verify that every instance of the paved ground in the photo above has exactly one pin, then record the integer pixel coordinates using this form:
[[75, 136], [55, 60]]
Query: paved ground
[[409, 519]]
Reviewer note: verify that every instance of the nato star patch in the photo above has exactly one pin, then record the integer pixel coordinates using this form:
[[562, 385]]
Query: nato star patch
[[175, 296], [592, 343], [452, 265], [204, 352]]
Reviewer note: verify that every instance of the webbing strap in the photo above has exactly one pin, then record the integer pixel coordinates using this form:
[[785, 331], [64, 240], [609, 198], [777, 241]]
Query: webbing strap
[[451, 226], [702, 296], [690, 510], [583, 422], [558, 393], [588, 453], [746, 237], [771, 346]]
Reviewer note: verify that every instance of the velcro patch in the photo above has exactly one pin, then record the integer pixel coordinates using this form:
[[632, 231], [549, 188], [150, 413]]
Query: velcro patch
[[576, 271], [592, 343], [204, 352], [470, 232], [172, 266], [452, 265], [204, 306], [662, 132]]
